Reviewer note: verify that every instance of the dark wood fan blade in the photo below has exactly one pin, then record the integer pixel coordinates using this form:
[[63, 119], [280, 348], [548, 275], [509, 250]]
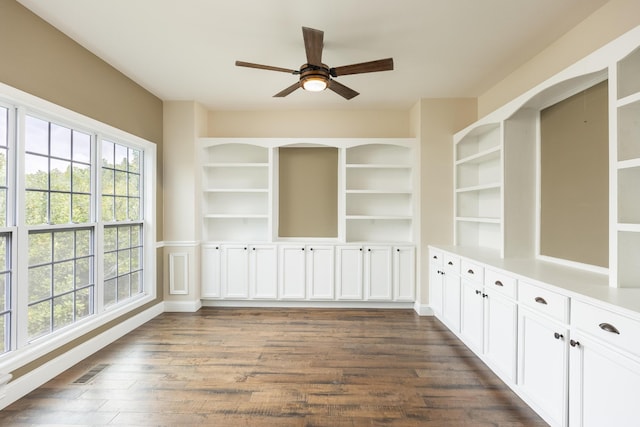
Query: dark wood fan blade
[[265, 67], [313, 43], [363, 67], [287, 91], [342, 90]]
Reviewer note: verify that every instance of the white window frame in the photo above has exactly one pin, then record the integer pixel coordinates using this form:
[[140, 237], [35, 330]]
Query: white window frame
[[23, 103]]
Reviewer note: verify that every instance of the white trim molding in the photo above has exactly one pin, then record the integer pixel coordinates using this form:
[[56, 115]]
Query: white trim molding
[[178, 285]]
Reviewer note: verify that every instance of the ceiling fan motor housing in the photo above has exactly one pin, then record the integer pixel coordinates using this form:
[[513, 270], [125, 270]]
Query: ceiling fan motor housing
[[314, 72]]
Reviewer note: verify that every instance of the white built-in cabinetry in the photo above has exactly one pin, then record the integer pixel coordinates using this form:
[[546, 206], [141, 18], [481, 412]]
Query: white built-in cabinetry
[[373, 258], [573, 356]]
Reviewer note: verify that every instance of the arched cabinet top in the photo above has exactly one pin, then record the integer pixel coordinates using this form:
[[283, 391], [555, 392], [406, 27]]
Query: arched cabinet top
[[309, 142]]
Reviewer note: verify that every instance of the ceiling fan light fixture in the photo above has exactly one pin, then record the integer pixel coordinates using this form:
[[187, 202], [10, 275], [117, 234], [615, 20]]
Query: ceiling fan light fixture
[[314, 84]]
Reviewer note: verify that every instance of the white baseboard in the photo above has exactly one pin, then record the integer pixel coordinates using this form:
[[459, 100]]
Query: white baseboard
[[423, 309], [307, 304], [182, 306], [23, 385]]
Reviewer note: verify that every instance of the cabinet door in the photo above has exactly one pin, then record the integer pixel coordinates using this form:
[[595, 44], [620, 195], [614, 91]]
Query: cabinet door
[[603, 385], [235, 271], [501, 333], [472, 315], [436, 279], [404, 273], [543, 366], [292, 272], [264, 272], [451, 301], [349, 272], [377, 268], [320, 276], [211, 273]]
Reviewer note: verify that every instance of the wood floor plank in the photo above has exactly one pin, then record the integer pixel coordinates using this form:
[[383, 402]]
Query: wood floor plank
[[271, 367]]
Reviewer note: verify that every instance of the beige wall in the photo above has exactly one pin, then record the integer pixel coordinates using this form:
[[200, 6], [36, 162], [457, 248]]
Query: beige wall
[[38, 59], [574, 171], [435, 121], [309, 124], [609, 22]]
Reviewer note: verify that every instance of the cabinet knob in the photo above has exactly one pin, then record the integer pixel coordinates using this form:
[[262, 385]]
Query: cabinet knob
[[435, 257], [361, 250], [450, 263], [485, 295], [397, 250], [498, 283], [470, 271], [217, 247], [558, 336], [303, 249], [609, 328], [253, 249], [245, 248], [369, 250], [541, 300], [478, 292], [574, 343]]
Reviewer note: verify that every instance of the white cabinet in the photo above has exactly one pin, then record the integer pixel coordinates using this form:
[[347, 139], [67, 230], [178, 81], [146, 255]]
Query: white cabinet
[[378, 273], [292, 272], [436, 281], [451, 294], [264, 271], [472, 315], [349, 272], [604, 367], [501, 332], [543, 365], [603, 384], [320, 274], [211, 274], [404, 273], [235, 271]]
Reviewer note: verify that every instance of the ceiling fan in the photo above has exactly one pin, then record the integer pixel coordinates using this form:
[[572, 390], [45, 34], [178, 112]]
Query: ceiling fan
[[316, 76]]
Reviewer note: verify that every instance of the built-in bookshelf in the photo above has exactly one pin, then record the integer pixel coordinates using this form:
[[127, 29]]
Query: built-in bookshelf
[[628, 171], [379, 193]]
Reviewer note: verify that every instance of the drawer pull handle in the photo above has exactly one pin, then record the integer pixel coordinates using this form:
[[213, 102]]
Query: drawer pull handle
[[558, 336], [541, 300], [498, 283], [478, 292], [485, 295], [470, 271], [435, 257], [450, 263], [609, 328], [574, 343]]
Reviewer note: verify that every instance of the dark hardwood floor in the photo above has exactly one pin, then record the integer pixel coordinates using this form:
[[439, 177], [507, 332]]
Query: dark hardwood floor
[[278, 367]]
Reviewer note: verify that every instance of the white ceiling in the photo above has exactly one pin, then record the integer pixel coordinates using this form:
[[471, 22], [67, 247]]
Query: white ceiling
[[186, 49]]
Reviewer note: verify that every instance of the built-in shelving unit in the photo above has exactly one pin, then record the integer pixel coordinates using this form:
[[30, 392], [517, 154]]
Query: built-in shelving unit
[[236, 192], [478, 187], [379, 193], [627, 168]]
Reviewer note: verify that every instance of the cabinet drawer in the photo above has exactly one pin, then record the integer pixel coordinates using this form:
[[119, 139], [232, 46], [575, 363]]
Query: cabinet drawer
[[436, 257], [452, 263], [611, 327], [500, 282], [544, 301], [472, 271]]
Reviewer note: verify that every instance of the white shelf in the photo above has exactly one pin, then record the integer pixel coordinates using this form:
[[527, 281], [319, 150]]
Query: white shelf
[[476, 188], [236, 165], [629, 131], [236, 190], [377, 217], [481, 139], [239, 216], [380, 192], [484, 156], [628, 100], [628, 72], [377, 166], [629, 227], [484, 220]]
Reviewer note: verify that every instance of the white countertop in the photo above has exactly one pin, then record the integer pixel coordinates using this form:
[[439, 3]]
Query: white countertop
[[573, 282]]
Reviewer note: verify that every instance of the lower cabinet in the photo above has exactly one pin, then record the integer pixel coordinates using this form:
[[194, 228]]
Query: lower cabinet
[[349, 272], [292, 276], [543, 365], [308, 272], [235, 271], [263, 271], [576, 362], [378, 273]]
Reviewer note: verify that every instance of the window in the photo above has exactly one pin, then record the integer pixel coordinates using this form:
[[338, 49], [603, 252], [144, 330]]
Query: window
[[73, 226]]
